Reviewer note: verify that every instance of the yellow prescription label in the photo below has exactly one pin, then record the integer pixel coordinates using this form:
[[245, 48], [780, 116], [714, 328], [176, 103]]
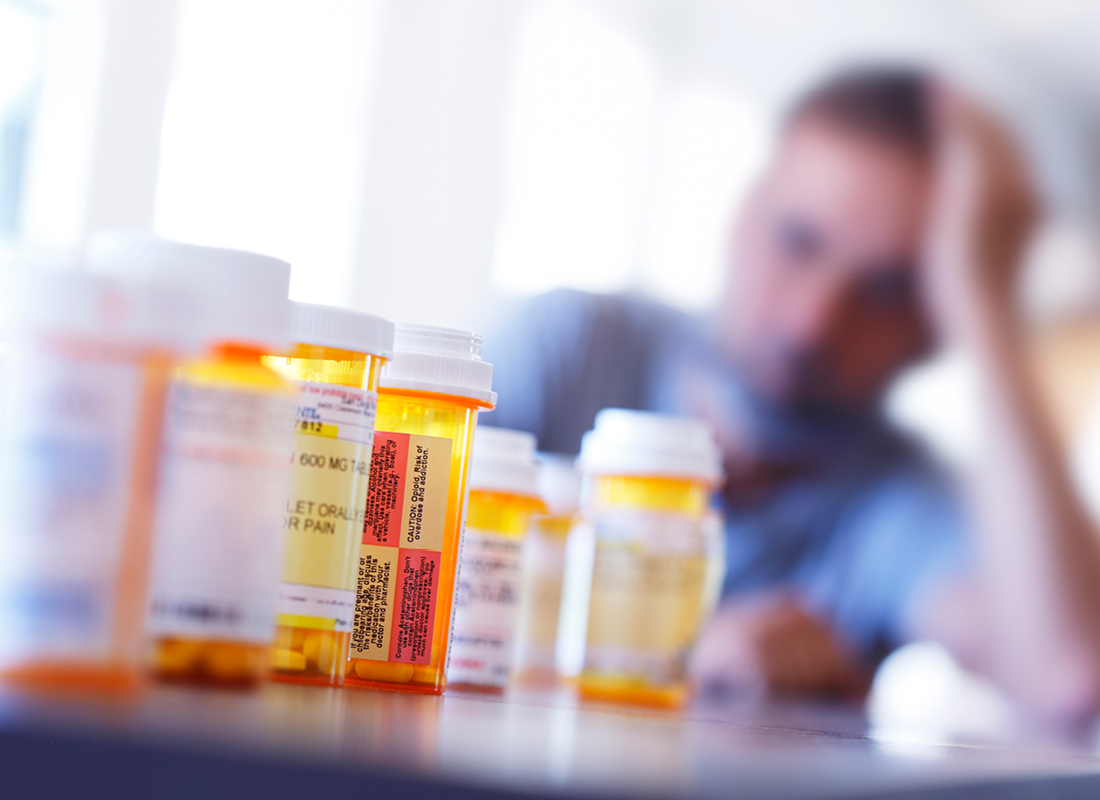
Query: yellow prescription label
[[311, 428], [644, 600], [324, 513], [649, 595], [400, 554], [375, 601], [303, 621], [540, 604], [334, 431]]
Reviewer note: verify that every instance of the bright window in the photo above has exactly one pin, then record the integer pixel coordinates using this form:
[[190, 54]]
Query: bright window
[[264, 134], [713, 145], [583, 102], [616, 176], [21, 42]]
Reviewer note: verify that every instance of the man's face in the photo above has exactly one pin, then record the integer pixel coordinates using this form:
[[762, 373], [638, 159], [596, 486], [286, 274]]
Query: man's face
[[824, 308]]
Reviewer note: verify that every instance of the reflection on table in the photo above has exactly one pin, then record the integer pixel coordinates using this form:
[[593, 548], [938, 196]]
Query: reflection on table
[[546, 742]]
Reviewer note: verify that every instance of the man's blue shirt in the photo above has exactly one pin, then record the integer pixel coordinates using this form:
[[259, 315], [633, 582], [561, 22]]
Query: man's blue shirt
[[852, 515]]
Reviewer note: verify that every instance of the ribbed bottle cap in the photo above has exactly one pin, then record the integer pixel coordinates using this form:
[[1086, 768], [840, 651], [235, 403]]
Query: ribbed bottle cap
[[342, 328], [97, 308], [559, 483], [643, 443], [504, 461], [440, 360], [245, 294]]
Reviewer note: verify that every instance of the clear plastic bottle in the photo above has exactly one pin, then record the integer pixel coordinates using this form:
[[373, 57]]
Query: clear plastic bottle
[[544, 569], [429, 397], [645, 561], [335, 363], [503, 498], [79, 438], [224, 464]]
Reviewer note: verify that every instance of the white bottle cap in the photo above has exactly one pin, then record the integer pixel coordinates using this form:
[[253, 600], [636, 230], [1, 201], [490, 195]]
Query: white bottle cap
[[440, 360], [94, 308], [245, 293], [643, 443], [559, 484], [504, 461], [342, 328]]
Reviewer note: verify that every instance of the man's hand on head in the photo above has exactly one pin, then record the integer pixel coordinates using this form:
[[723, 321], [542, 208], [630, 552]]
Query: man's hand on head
[[1032, 618], [772, 645], [983, 215]]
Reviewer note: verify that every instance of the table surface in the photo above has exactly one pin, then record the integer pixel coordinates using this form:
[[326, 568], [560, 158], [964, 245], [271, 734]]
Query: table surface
[[282, 740]]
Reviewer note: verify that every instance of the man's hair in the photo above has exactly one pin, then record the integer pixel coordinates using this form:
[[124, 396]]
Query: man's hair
[[884, 103]]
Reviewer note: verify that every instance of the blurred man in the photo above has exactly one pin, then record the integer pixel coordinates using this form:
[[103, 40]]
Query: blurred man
[[893, 213]]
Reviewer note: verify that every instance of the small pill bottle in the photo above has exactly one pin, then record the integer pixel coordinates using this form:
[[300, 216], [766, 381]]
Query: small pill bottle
[[224, 465], [645, 561], [86, 374], [503, 498], [428, 400], [334, 363], [559, 486]]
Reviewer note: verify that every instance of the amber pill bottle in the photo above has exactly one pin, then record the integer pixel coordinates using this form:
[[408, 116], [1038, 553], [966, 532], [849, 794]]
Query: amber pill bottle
[[504, 496], [428, 401], [83, 397], [645, 560], [334, 363], [224, 469]]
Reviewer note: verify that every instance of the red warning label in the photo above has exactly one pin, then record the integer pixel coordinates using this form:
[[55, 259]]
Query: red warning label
[[399, 558], [417, 590], [386, 493]]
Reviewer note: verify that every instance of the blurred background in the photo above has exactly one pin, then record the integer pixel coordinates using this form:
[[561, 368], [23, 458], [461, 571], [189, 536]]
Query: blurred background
[[434, 161]]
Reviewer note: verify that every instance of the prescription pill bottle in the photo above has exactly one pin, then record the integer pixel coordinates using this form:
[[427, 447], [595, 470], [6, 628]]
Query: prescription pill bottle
[[503, 498], [428, 399], [645, 560], [87, 368], [225, 468], [334, 362], [543, 570]]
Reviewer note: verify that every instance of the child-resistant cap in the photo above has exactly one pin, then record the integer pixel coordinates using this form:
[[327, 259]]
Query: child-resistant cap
[[245, 294], [342, 328], [97, 308], [439, 360], [504, 461], [559, 483], [643, 443]]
